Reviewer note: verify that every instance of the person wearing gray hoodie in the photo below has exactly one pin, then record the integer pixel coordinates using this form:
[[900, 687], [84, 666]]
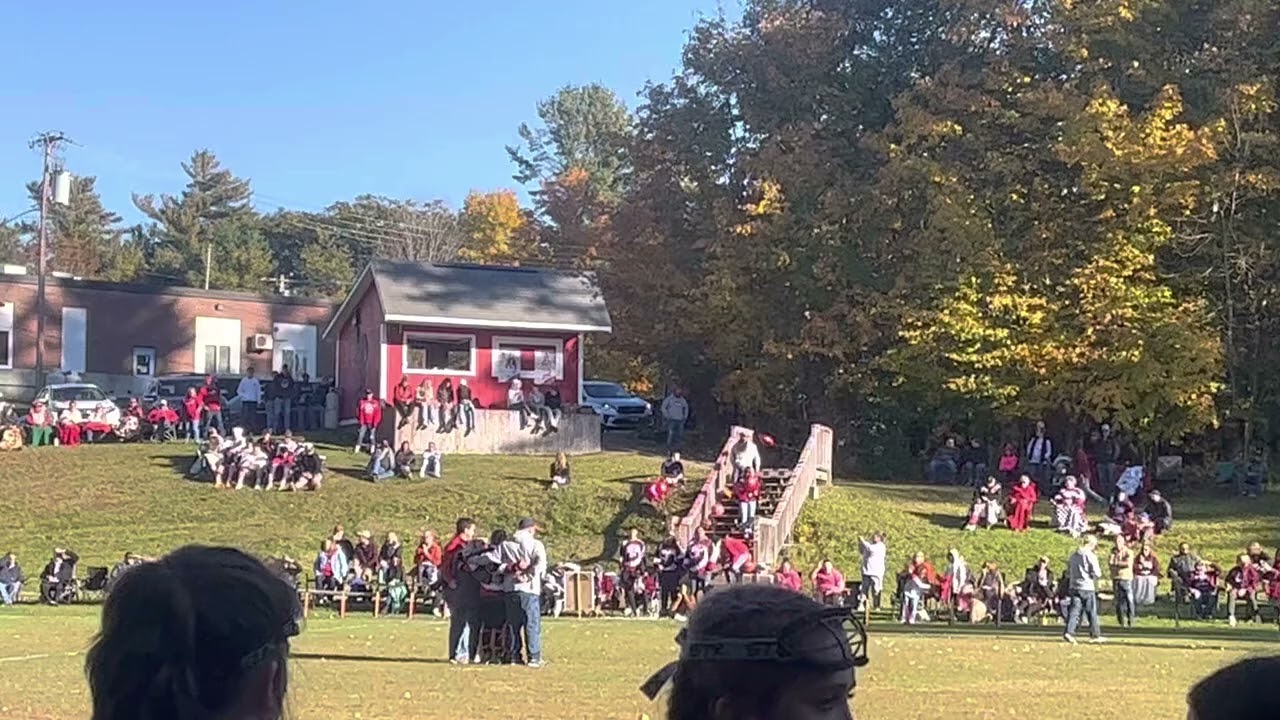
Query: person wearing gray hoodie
[[524, 563]]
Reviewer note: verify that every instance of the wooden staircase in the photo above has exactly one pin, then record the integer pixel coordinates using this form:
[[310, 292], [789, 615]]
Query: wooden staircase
[[783, 495]]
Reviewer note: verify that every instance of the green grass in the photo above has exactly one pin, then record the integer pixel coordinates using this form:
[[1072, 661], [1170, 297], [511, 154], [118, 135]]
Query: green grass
[[595, 667], [105, 500]]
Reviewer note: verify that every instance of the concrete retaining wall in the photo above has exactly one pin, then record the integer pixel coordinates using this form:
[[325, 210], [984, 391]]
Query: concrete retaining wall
[[498, 432]]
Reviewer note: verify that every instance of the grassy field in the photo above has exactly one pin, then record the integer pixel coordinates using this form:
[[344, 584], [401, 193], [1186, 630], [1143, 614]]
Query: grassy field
[[105, 500], [595, 667]]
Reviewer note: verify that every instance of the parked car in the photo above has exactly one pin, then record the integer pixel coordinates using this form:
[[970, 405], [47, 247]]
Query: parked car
[[616, 406], [87, 397]]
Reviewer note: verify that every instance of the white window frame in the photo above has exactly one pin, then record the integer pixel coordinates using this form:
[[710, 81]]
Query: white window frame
[[439, 372], [7, 312], [501, 342]]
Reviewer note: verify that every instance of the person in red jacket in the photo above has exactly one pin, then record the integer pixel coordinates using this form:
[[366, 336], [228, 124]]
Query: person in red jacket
[[369, 415], [402, 397], [134, 409], [1022, 501], [1243, 582], [735, 557], [787, 577], [163, 421], [192, 407], [211, 401], [747, 489], [461, 594]]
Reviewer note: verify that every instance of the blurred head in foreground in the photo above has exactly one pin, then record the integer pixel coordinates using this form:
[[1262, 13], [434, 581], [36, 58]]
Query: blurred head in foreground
[[1243, 690], [762, 652], [202, 633]]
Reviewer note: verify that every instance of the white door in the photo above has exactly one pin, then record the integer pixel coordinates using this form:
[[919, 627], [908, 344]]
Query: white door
[[295, 346], [217, 346], [144, 361], [75, 325]]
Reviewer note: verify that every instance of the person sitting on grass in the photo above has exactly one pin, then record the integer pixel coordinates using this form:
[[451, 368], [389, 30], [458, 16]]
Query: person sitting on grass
[[1068, 509], [1038, 589], [210, 457], [1243, 582], [163, 421], [560, 471], [202, 633], [310, 468], [255, 465], [1202, 590], [1146, 576], [991, 590], [805, 671], [828, 583], [382, 464], [1022, 502], [40, 423], [404, 461], [656, 493], [987, 507], [69, 426], [673, 469], [283, 462], [1160, 511], [432, 462]]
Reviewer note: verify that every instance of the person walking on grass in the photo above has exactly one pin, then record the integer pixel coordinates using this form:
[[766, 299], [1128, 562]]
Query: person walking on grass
[[1083, 572]]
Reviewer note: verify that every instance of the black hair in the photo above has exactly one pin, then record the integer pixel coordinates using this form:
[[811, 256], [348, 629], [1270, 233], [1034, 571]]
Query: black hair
[[751, 687], [464, 523], [1244, 689], [498, 537], [181, 635]]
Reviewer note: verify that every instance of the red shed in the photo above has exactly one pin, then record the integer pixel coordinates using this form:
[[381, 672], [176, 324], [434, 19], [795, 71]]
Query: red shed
[[487, 324]]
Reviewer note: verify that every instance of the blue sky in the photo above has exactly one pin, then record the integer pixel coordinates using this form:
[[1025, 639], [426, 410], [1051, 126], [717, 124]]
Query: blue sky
[[313, 101]]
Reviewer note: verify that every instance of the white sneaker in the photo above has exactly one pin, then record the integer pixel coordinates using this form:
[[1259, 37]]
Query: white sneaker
[[679, 618], [1231, 622], [1069, 638], [1097, 640]]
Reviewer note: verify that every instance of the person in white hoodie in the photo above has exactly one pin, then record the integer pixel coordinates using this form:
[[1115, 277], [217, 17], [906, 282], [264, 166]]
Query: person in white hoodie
[[745, 455], [524, 566], [873, 562]]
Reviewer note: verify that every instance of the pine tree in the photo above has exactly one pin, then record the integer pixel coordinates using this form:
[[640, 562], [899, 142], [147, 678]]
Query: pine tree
[[83, 234]]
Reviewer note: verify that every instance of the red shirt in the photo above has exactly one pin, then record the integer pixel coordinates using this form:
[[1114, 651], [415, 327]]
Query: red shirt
[[403, 394], [450, 553], [211, 397], [831, 583], [369, 412], [159, 415], [192, 404], [1019, 494], [734, 548], [431, 553], [789, 579], [748, 488]]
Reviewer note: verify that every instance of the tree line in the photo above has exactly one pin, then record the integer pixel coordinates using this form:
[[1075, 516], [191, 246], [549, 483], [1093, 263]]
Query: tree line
[[900, 220]]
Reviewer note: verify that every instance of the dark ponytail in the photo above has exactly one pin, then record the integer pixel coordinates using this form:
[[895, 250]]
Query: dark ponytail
[[180, 635]]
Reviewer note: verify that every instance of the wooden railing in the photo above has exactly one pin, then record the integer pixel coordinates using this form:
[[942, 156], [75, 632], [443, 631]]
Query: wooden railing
[[814, 465], [717, 479]]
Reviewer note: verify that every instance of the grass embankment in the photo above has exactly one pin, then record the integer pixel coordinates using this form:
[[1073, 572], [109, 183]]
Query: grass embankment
[[104, 500]]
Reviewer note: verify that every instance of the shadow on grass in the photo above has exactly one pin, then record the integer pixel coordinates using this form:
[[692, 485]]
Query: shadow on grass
[[181, 467], [1260, 633], [613, 531], [366, 658]]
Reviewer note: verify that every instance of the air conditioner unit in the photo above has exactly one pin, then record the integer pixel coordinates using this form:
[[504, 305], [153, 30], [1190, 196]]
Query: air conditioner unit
[[261, 342]]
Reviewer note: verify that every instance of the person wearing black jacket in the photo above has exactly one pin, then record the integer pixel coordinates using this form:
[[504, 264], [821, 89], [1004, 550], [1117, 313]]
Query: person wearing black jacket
[[1106, 453], [974, 462], [466, 407], [58, 575], [11, 579]]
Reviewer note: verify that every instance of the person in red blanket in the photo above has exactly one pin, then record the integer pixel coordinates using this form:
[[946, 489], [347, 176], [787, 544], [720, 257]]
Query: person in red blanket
[[787, 577], [657, 492], [192, 408], [99, 424], [369, 416], [828, 583], [1022, 502], [1243, 582], [735, 558], [163, 421], [69, 425], [747, 489], [631, 557], [211, 405]]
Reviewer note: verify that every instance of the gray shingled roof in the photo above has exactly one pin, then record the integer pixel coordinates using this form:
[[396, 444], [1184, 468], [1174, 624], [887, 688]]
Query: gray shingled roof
[[486, 296]]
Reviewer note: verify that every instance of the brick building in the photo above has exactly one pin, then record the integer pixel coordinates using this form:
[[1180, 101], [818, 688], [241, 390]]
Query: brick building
[[118, 335]]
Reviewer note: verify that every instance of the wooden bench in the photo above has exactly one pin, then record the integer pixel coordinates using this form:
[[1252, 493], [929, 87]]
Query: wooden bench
[[310, 592]]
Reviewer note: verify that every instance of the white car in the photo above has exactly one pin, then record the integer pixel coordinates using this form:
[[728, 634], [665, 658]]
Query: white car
[[86, 396], [617, 407]]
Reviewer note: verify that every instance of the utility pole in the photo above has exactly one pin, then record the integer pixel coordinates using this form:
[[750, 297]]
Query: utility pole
[[48, 142], [208, 262]]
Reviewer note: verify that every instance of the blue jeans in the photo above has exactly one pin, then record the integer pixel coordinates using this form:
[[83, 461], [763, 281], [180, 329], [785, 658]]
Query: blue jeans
[[193, 429], [9, 592], [468, 411], [371, 432], [281, 410], [675, 433], [942, 472], [214, 416], [524, 610], [463, 624], [975, 473], [1040, 473], [1083, 602], [1107, 477]]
